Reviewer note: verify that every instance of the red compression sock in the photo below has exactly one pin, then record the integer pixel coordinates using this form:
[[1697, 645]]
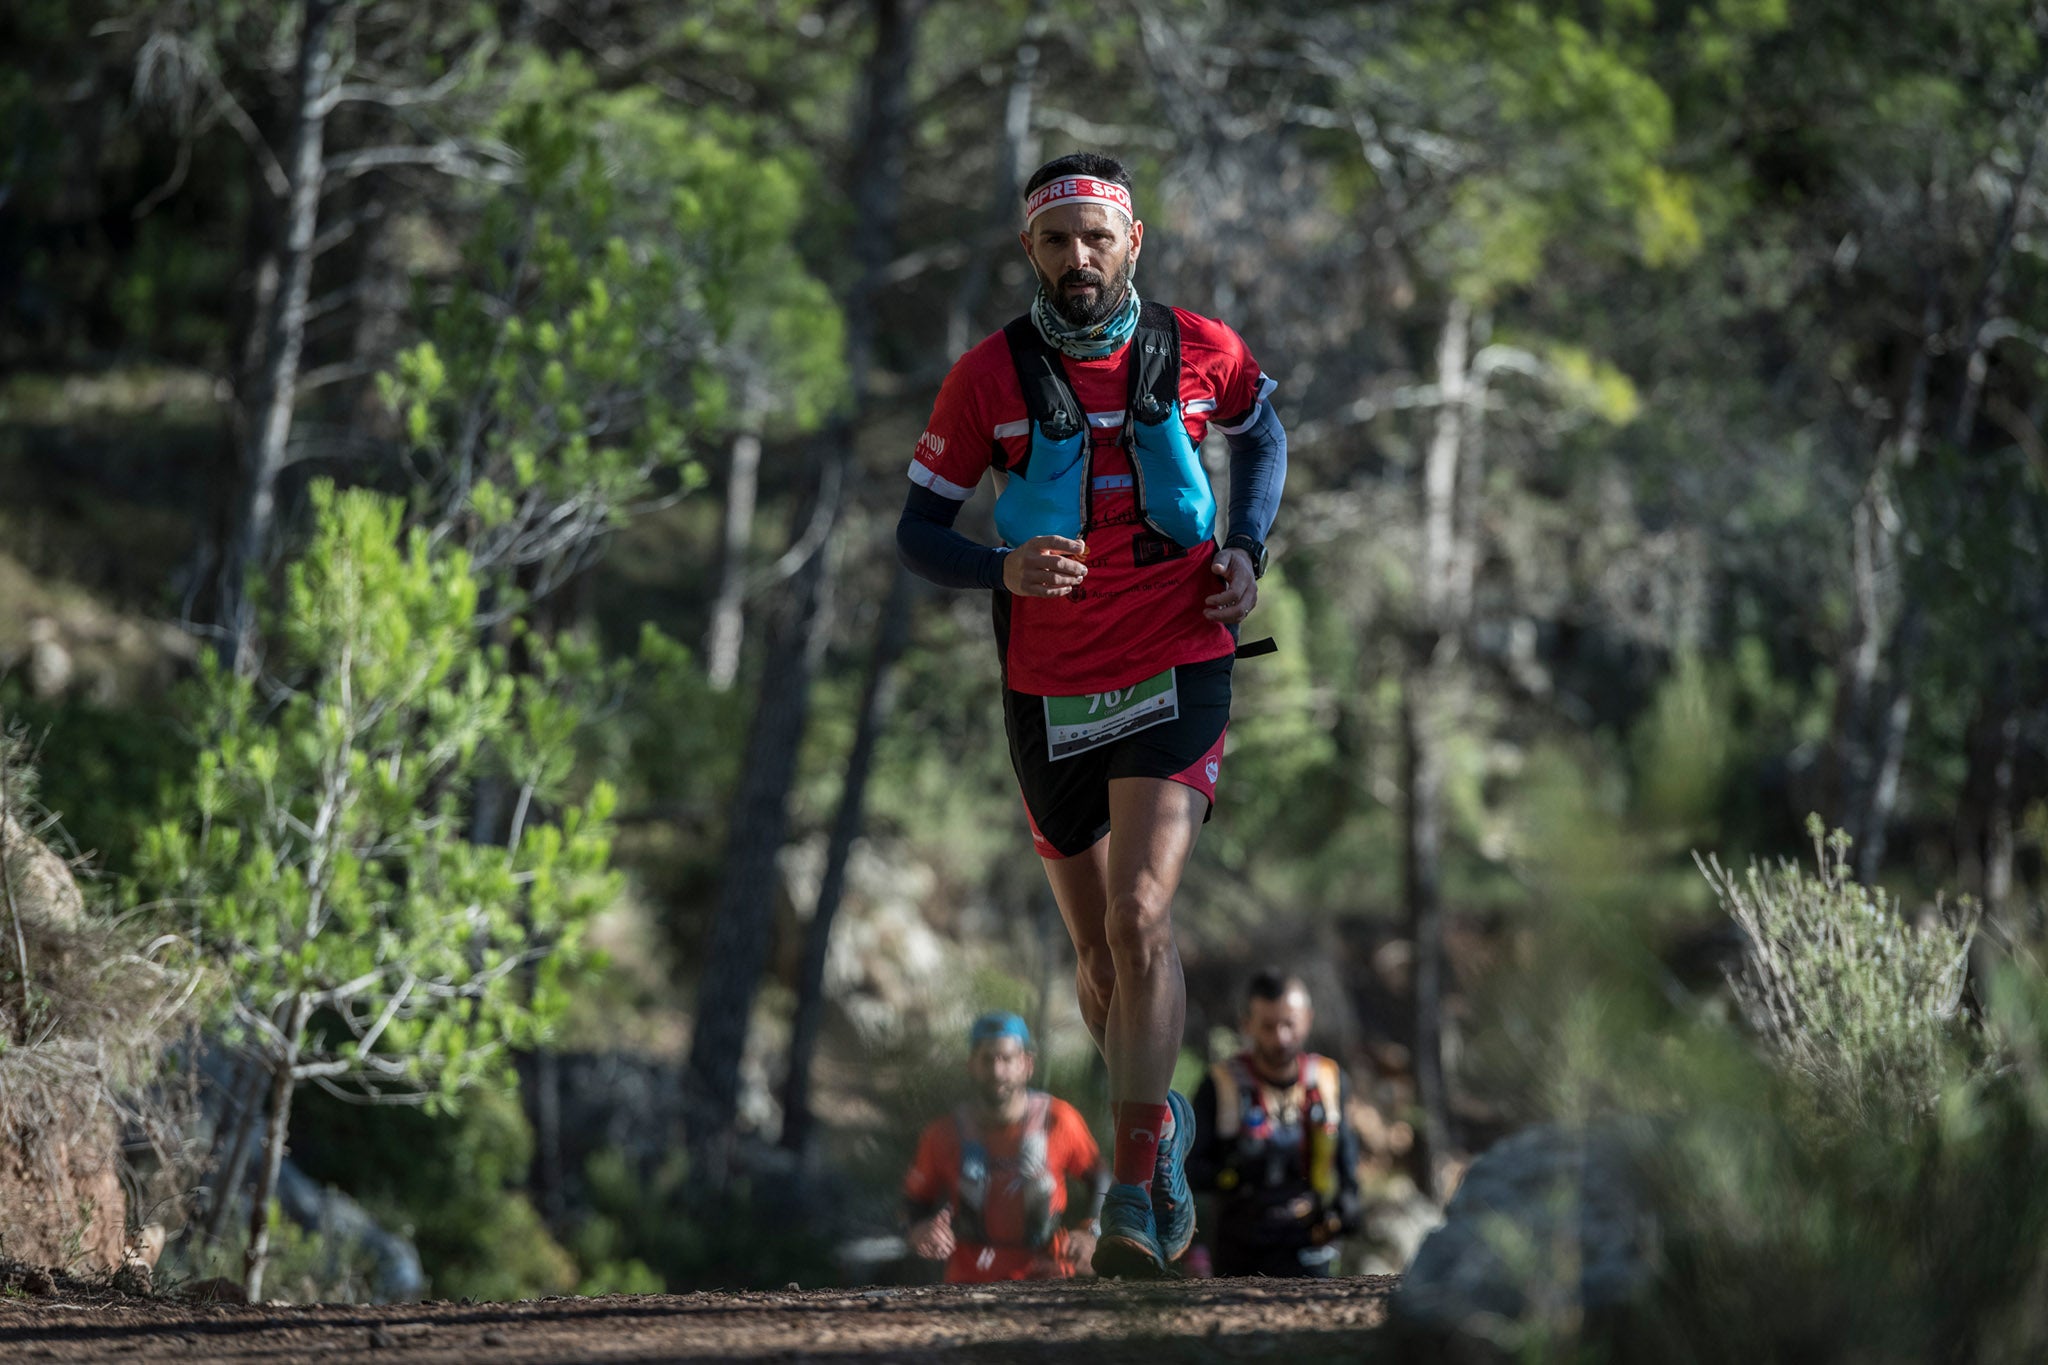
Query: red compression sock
[[1139, 1128]]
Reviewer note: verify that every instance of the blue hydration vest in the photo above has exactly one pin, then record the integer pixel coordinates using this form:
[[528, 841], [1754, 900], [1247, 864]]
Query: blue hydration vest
[[1049, 493]]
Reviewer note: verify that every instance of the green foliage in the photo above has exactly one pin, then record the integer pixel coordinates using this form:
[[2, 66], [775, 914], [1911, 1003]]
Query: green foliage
[[1587, 384], [1856, 998], [1560, 134], [318, 857], [1902, 1241], [940, 776], [1709, 234], [1859, 1192], [659, 1229], [637, 288], [1682, 750], [459, 1196], [114, 765], [1279, 743], [306, 1266]]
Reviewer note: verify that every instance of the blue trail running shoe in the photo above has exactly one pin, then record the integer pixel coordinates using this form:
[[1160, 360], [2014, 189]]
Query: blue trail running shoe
[[1129, 1245], [1173, 1203]]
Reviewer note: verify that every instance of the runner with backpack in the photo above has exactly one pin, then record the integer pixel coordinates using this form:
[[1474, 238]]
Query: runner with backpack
[[1116, 613], [1275, 1146], [987, 1192]]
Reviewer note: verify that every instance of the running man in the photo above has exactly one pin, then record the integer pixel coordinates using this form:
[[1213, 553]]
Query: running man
[[1276, 1145], [988, 1188], [1116, 621]]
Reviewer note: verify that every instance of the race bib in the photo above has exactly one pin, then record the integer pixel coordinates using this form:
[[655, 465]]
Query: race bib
[[1074, 725]]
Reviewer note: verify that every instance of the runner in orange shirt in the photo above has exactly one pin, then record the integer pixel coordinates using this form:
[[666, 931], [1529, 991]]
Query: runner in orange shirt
[[989, 1184]]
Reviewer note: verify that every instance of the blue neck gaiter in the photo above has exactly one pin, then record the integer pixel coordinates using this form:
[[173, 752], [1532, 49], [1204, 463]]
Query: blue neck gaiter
[[1091, 341]]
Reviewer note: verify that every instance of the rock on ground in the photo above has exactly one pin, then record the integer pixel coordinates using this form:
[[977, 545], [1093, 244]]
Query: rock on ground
[[1548, 1231]]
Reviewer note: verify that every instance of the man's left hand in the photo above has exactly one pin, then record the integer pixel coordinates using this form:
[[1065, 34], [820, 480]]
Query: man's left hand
[[1081, 1250], [1240, 589]]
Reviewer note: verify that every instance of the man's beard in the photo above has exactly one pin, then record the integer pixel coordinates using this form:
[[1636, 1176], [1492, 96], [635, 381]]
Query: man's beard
[[1108, 298], [1276, 1063]]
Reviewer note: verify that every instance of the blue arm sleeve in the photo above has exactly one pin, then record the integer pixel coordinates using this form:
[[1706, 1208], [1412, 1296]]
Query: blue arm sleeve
[[930, 548], [1258, 467]]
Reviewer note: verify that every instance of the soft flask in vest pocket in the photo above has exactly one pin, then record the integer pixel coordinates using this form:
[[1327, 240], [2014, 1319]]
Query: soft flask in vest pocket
[[1046, 495], [1173, 488]]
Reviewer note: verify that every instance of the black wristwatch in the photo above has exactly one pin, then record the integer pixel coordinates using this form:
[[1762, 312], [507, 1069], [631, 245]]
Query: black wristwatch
[[1256, 549]]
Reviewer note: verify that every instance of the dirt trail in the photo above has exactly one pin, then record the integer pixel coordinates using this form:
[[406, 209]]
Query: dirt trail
[[1294, 1322]]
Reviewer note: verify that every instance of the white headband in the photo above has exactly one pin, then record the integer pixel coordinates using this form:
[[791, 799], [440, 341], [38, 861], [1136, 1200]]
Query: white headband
[[1078, 189]]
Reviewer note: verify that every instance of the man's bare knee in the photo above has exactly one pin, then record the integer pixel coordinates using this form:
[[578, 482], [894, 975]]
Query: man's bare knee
[[1139, 926]]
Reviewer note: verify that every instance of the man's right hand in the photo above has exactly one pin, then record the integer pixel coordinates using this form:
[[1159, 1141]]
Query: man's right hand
[[1045, 566], [932, 1238]]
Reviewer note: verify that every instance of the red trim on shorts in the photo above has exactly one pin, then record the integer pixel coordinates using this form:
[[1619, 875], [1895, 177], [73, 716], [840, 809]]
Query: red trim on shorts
[[1202, 773], [1038, 839]]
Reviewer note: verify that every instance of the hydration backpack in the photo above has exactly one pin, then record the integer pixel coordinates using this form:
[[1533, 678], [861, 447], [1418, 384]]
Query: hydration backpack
[[1026, 1178], [1050, 491], [1243, 1116]]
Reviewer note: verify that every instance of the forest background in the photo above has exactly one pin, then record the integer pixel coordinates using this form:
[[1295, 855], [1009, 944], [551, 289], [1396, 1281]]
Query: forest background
[[1664, 388]]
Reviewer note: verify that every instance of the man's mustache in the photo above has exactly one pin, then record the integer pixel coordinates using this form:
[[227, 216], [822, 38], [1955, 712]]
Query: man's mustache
[[1074, 277]]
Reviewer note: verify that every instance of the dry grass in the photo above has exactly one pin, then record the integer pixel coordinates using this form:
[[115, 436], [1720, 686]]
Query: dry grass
[[86, 1005]]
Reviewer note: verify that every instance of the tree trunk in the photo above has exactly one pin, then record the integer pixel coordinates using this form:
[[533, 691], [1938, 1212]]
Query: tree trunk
[[246, 1100], [877, 703], [1999, 840], [1440, 469], [1449, 559], [1422, 848], [1873, 817], [741, 923], [878, 694], [1012, 167], [1049, 936], [1870, 709], [281, 1084], [284, 326], [1986, 846], [1846, 768], [1872, 801], [1990, 292], [547, 1136], [737, 952], [728, 609]]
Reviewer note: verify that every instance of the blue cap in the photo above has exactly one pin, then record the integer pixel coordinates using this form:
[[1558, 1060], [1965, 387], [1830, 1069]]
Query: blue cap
[[998, 1024]]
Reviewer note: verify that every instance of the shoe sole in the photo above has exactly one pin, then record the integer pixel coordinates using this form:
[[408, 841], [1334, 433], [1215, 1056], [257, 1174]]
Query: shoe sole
[[1125, 1258], [1183, 1143]]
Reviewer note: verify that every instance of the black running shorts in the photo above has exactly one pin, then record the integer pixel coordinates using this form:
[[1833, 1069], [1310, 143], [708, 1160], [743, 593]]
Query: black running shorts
[[1067, 799]]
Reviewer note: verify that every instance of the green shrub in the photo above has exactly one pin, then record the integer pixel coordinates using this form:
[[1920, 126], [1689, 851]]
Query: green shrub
[[657, 1230], [1850, 994], [1924, 1239], [319, 860], [458, 1194], [305, 1266]]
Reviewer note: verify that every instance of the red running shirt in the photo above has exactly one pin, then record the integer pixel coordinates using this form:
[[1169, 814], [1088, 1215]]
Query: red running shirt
[[934, 1179], [1128, 620]]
